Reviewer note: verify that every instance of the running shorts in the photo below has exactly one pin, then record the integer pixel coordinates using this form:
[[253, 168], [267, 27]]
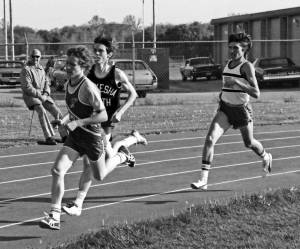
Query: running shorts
[[238, 115], [85, 143]]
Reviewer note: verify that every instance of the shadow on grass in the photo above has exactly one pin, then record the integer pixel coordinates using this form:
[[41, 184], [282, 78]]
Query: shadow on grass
[[199, 190]]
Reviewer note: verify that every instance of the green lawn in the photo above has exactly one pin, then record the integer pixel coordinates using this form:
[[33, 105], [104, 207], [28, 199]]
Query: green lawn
[[268, 220], [157, 113]]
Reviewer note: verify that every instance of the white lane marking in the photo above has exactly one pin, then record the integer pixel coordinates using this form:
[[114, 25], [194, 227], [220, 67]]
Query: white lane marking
[[226, 135], [218, 144], [153, 195], [159, 150], [149, 177], [157, 141], [151, 162]]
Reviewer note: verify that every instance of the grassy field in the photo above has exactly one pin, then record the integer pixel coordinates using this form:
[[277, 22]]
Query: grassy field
[[157, 113]]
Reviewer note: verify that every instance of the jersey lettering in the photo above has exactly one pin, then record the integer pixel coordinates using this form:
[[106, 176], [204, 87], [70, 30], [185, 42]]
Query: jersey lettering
[[106, 102], [106, 89]]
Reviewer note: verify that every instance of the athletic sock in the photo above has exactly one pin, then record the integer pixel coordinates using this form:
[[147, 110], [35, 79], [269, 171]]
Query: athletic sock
[[263, 154], [130, 140], [55, 211], [108, 137], [205, 171], [122, 157], [80, 198]]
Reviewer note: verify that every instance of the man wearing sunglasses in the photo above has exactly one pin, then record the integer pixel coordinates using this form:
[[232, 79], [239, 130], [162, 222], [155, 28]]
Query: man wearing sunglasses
[[36, 95]]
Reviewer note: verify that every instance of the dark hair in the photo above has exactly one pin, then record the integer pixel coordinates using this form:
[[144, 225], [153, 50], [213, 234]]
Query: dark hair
[[243, 38], [83, 54], [105, 42]]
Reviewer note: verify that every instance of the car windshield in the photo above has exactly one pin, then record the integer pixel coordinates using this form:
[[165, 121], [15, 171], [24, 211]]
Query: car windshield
[[11, 64], [200, 61], [127, 65], [276, 62]]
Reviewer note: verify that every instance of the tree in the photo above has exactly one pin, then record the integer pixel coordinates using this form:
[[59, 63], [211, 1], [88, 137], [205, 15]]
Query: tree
[[135, 24], [96, 20]]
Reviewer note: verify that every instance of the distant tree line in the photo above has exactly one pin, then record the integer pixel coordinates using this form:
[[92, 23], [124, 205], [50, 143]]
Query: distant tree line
[[118, 32]]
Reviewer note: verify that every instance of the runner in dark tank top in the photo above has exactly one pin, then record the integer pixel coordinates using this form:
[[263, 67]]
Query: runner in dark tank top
[[109, 80]]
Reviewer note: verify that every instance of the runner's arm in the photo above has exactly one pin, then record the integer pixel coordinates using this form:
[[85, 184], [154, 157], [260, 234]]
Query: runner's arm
[[251, 87], [121, 77]]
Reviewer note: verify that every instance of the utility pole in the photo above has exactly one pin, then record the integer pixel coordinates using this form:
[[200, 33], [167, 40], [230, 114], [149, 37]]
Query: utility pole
[[143, 23], [5, 29], [154, 26], [12, 32]]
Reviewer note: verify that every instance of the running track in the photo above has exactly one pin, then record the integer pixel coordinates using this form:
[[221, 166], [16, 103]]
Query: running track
[[157, 186]]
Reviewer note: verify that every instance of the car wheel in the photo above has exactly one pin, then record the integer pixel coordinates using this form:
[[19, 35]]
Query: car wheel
[[141, 94], [295, 83], [208, 77], [260, 85], [194, 78], [184, 78]]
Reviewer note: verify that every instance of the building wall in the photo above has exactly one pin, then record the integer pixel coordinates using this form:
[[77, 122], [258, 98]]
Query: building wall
[[277, 25], [295, 34], [224, 50], [273, 48], [256, 35]]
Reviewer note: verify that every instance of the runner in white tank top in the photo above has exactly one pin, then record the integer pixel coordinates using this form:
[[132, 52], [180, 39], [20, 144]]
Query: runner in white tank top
[[239, 83], [232, 93]]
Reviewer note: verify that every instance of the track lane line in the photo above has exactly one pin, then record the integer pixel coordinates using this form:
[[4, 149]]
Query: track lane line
[[153, 195], [156, 141], [149, 177], [151, 162], [153, 151]]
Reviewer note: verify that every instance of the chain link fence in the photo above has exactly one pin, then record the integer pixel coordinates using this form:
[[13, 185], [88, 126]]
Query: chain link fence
[[166, 57], [170, 56]]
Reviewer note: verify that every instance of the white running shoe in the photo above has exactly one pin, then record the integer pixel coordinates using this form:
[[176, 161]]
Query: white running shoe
[[130, 159], [139, 137], [267, 164], [72, 209], [50, 222], [201, 184]]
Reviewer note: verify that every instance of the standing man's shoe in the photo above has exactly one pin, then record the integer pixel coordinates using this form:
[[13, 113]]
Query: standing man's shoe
[[48, 141]]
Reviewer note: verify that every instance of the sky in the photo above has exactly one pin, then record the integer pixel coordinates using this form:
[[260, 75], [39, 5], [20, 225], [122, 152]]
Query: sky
[[50, 14]]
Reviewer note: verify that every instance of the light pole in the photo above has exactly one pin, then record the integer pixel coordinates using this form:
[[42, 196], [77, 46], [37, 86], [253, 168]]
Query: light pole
[[154, 26], [143, 24], [5, 30], [12, 32]]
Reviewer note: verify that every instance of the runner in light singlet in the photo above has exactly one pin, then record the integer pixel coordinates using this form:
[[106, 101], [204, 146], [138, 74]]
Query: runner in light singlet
[[239, 84]]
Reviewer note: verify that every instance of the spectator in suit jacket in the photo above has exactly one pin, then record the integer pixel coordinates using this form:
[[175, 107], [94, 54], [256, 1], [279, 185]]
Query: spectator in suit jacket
[[36, 95]]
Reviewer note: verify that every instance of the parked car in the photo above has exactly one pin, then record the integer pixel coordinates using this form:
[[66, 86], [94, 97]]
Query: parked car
[[58, 74], [200, 67], [276, 70], [145, 78], [10, 72]]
